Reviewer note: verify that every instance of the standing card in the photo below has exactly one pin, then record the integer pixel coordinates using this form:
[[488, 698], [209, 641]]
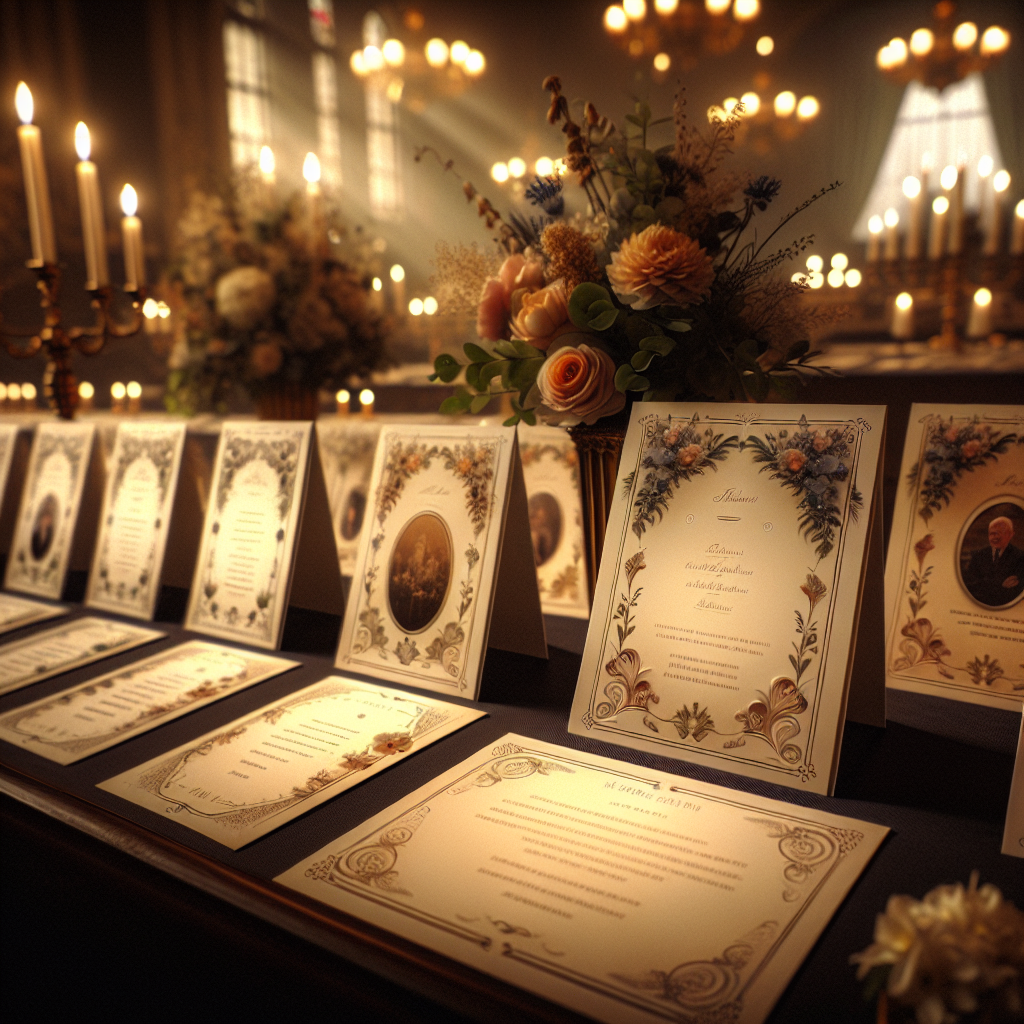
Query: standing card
[[142, 479], [16, 612], [14, 448], [626, 894], [8, 442], [954, 579], [76, 723], [261, 543], [445, 564], [49, 533], [552, 474], [729, 596], [253, 775], [347, 447], [1013, 833]]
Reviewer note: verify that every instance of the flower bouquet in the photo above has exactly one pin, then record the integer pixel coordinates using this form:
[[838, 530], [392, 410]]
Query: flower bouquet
[[662, 290], [271, 300]]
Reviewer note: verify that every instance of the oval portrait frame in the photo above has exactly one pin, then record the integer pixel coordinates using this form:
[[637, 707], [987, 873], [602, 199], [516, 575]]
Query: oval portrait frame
[[969, 521], [451, 571]]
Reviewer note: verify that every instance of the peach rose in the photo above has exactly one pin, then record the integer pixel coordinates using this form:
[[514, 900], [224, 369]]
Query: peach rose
[[793, 459], [660, 266], [541, 316], [951, 434], [492, 322], [580, 381], [971, 448], [689, 455], [820, 442]]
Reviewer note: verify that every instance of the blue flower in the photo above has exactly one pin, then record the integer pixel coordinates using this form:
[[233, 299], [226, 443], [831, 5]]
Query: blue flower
[[763, 191], [547, 194]]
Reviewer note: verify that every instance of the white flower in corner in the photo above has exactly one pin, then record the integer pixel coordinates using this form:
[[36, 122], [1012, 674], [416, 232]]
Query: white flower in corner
[[245, 296]]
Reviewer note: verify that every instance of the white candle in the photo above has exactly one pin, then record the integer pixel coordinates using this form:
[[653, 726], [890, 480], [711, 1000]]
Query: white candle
[[85, 395], [875, 226], [131, 234], [902, 316], [134, 393], [956, 215], [937, 238], [979, 323], [398, 289], [1000, 186], [366, 402], [267, 167], [914, 193], [117, 393], [892, 238], [94, 236], [37, 192], [1017, 238], [343, 400]]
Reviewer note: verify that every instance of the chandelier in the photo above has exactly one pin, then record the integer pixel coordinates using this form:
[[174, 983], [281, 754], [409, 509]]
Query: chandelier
[[943, 54]]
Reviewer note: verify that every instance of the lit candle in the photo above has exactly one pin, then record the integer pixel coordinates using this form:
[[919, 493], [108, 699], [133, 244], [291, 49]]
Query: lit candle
[[117, 393], [912, 190], [343, 400], [151, 315], [134, 393], [3, 395], [902, 316], [1000, 185], [14, 396], [267, 167], [1017, 238], [398, 288], [28, 396], [979, 323], [85, 395], [37, 192], [94, 236], [131, 233], [892, 238], [366, 402], [952, 182], [875, 226], [377, 296], [937, 238]]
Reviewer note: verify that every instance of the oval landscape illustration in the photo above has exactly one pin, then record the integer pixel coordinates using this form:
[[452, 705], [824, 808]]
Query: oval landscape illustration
[[420, 572]]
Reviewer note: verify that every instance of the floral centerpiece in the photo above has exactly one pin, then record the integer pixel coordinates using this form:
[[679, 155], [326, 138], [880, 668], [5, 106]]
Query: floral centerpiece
[[661, 291], [270, 299]]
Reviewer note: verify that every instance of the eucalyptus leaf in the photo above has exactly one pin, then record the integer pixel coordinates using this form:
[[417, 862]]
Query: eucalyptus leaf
[[641, 360], [656, 343], [491, 370], [479, 403], [506, 349], [457, 403], [476, 354], [604, 320], [679, 326], [446, 367], [583, 297], [473, 376]]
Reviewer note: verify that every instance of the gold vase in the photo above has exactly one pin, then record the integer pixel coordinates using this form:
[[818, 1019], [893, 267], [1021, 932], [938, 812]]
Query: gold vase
[[288, 402]]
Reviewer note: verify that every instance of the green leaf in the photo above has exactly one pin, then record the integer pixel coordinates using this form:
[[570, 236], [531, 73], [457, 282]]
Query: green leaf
[[447, 367], [491, 370], [641, 360], [604, 320], [512, 420], [633, 119], [523, 373], [457, 403], [583, 297], [473, 376], [506, 349], [642, 213], [627, 380], [601, 306], [479, 403], [756, 385], [525, 350], [529, 417], [679, 326], [656, 343], [476, 354]]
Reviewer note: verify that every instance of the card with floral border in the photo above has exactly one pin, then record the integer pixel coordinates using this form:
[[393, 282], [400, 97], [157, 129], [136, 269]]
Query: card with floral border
[[552, 474], [627, 894], [955, 571], [1013, 833], [81, 721], [56, 522], [728, 601], [142, 482], [253, 775], [347, 447], [267, 535], [16, 612], [445, 563], [69, 646]]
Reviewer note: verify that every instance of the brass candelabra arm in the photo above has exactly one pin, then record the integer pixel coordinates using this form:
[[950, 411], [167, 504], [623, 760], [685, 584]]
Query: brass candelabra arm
[[90, 340]]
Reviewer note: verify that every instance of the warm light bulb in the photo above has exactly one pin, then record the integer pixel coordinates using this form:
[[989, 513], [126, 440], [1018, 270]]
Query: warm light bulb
[[373, 58], [83, 144], [799, 278], [163, 310], [815, 263], [150, 310], [397, 273], [134, 389], [717, 6], [416, 307], [875, 225], [615, 19], [28, 391], [745, 10], [982, 297], [840, 261], [666, 7], [129, 201], [117, 391], [921, 42], [716, 113], [1018, 210], [911, 187], [517, 167], [357, 64], [366, 397], [23, 103], [947, 179], [376, 284], [765, 45], [985, 165], [86, 390], [940, 204], [342, 397], [662, 62], [430, 305], [835, 278], [393, 52], [14, 392], [730, 104], [458, 52], [897, 51], [904, 300], [475, 62], [751, 103], [267, 163], [964, 35], [311, 168], [436, 52], [890, 218], [785, 103], [816, 279], [853, 278], [544, 166], [499, 172], [807, 109], [636, 10], [994, 40], [1001, 181]]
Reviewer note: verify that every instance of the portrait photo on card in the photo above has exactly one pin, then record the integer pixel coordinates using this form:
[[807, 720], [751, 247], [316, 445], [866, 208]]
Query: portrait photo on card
[[990, 563]]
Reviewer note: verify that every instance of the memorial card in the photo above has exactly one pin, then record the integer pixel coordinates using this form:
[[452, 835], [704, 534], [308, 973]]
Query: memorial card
[[1013, 834], [623, 893], [8, 442], [261, 543], [80, 642], [445, 564], [49, 532], [142, 478], [729, 595], [255, 774], [14, 449], [16, 612], [552, 474], [103, 712], [347, 447], [954, 579]]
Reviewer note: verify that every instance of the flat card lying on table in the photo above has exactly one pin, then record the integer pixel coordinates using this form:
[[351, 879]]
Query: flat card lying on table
[[253, 775], [552, 474], [263, 542], [728, 600], [16, 612], [445, 564], [624, 893], [954, 577], [72, 724], [48, 531], [142, 478], [67, 647]]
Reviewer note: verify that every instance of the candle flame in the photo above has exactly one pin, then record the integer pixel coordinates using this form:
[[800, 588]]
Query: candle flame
[[129, 201], [311, 168], [267, 160], [366, 397], [83, 143], [23, 103]]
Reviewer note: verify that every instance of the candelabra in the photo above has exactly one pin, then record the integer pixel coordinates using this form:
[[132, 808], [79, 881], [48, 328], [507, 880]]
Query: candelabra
[[58, 342]]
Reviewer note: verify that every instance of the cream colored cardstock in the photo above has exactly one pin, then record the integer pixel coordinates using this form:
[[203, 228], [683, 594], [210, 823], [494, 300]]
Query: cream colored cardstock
[[8, 443], [16, 612], [142, 478], [552, 475], [255, 774], [955, 610], [729, 594], [625, 894], [444, 561], [103, 712], [45, 532], [81, 642], [1013, 833]]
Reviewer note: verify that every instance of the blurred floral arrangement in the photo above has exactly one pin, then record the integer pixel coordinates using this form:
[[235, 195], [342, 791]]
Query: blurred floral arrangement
[[658, 292], [959, 951], [268, 297]]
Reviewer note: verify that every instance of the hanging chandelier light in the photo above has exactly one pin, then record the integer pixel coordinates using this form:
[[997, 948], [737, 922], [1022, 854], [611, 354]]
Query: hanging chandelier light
[[947, 52]]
